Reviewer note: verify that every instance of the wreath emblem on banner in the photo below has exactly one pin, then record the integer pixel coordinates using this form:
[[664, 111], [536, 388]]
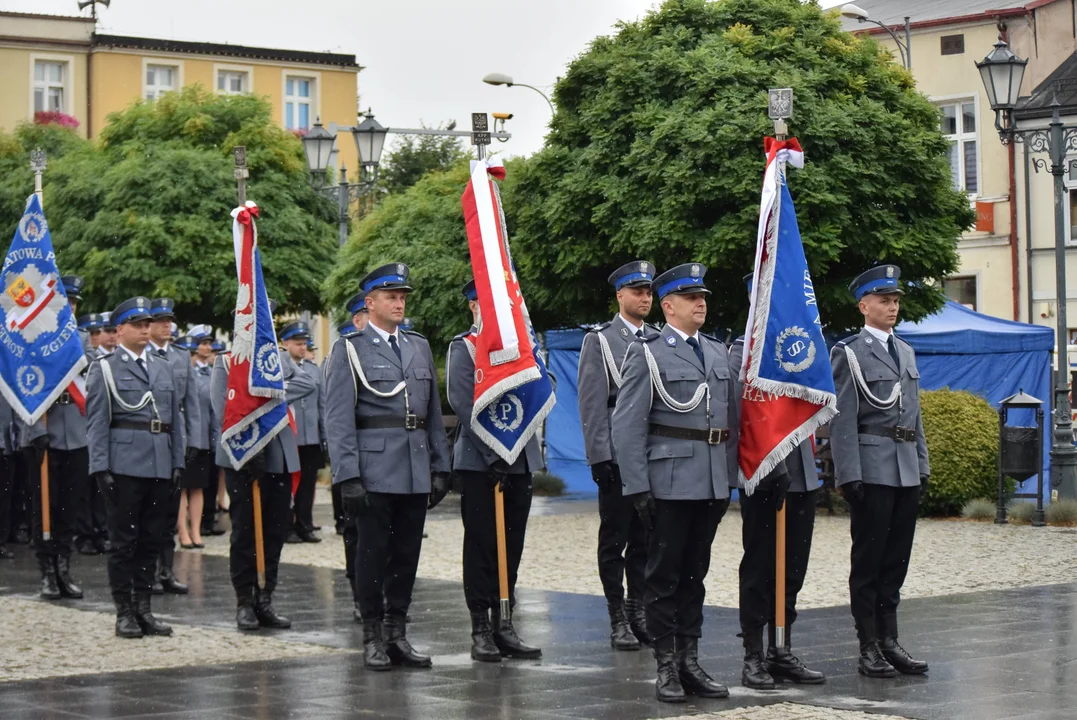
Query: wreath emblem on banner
[[507, 414], [795, 344]]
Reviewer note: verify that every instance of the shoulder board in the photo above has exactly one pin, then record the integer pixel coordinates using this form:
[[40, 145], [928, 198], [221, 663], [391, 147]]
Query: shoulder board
[[902, 340], [412, 332], [601, 326], [739, 341], [845, 341], [651, 338], [712, 338], [460, 336]]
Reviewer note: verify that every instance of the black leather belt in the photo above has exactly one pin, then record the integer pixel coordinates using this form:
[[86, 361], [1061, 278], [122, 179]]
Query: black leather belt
[[153, 426], [64, 399], [713, 436], [894, 432], [408, 422]]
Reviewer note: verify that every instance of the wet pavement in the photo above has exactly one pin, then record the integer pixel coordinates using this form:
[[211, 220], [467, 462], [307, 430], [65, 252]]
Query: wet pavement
[[995, 654]]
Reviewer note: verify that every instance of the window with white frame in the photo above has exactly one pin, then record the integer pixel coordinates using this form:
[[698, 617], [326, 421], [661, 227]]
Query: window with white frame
[[160, 79], [959, 127], [233, 82], [298, 97], [50, 85]]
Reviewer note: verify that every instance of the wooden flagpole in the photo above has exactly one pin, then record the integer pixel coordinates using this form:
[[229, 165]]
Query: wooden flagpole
[[37, 164]]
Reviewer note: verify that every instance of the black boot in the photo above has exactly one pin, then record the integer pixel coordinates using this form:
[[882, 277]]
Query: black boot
[[168, 582], [667, 688], [144, 615], [398, 648], [621, 637], [755, 675], [245, 617], [637, 620], [374, 657], [508, 642], [49, 589], [67, 586], [872, 663], [126, 623], [782, 664], [900, 659], [694, 679], [266, 613], [483, 647]]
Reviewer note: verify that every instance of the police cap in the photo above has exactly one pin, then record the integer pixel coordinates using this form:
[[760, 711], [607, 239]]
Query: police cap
[[684, 279], [881, 280]]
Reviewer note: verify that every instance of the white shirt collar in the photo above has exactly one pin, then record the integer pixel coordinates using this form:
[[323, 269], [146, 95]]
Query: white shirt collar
[[631, 328], [684, 336], [199, 363], [880, 335], [384, 335], [162, 348], [143, 357]]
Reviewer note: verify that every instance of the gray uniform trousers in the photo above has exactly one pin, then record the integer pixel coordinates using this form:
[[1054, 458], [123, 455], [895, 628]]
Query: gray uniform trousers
[[309, 415], [180, 361]]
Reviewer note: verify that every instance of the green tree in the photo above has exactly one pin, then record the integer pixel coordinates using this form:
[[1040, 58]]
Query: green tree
[[413, 156], [656, 152], [145, 210], [16, 178]]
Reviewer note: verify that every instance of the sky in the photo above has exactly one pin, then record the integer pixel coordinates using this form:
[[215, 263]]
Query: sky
[[424, 60]]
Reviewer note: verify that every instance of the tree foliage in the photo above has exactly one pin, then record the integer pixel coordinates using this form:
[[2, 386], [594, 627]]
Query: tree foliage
[[16, 178], [145, 209], [656, 152], [413, 156]]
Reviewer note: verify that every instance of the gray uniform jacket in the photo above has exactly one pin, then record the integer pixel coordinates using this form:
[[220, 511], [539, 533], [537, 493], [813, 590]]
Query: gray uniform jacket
[[125, 451], [469, 452], [597, 390], [8, 427], [65, 424], [866, 457], [180, 360], [392, 459], [200, 435], [281, 453], [799, 464], [674, 469], [309, 409]]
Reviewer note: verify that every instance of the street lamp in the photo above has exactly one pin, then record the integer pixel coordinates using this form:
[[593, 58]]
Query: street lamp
[[861, 15], [370, 141], [1002, 73], [318, 146], [507, 81]]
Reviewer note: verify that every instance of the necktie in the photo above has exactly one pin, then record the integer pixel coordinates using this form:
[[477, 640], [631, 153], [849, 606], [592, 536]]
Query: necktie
[[694, 344], [161, 352], [395, 346], [141, 364], [639, 333], [203, 371], [892, 349]]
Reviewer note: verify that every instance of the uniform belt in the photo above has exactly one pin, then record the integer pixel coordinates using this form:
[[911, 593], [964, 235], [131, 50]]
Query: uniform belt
[[713, 436], [611, 403], [408, 422], [64, 399], [894, 432], [153, 426]]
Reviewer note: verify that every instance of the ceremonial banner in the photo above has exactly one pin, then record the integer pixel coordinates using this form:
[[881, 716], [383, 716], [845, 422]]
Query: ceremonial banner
[[255, 409], [788, 382], [41, 352], [513, 392]]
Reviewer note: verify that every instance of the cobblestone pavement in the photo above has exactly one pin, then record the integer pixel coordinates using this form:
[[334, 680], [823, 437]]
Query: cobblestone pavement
[[785, 711], [949, 557]]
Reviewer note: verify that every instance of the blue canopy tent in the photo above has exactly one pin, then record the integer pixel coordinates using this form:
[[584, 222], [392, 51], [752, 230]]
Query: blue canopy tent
[[565, 455]]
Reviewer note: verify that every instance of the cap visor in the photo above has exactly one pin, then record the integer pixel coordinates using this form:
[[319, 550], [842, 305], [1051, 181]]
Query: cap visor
[[636, 284], [692, 290]]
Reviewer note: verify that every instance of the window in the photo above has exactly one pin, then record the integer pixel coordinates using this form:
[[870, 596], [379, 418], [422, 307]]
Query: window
[[961, 290], [298, 95], [50, 84], [953, 44], [959, 127], [233, 82], [160, 79]]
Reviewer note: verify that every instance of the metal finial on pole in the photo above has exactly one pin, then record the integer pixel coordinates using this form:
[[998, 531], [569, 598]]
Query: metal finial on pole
[[37, 164], [780, 109], [241, 172]]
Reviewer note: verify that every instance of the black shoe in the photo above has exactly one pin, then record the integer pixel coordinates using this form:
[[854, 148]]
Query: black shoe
[[146, 621], [782, 664], [267, 614], [213, 531], [308, 537], [872, 663], [694, 679], [87, 547], [508, 642], [6, 554], [245, 617], [667, 688], [49, 589], [374, 657], [126, 623], [67, 586], [169, 584], [621, 637], [398, 648], [102, 545], [755, 675], [900, 659], [637, 620], [158, 588], [483, 647], [292, 538]]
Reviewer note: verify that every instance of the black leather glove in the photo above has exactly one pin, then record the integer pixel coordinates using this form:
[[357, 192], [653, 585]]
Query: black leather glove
[[256, 466], [40, 444], [853, 492], [499, 474], [925, 482], [177, 476], [354, 497], [189, 456], [439, 488], [605, 475], [777, 483], [644, 503], [107, 483]]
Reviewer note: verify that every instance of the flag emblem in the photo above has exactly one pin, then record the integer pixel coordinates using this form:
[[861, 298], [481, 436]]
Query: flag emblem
[[21, 292], [33, 227], [31, 304]]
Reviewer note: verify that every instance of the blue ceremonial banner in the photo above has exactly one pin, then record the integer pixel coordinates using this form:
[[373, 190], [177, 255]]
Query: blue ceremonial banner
[[42, 353]]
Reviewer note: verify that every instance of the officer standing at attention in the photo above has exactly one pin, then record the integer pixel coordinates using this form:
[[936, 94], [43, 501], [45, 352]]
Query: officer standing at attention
[[162, 314], [480, 470], [675, 441], [622, 539], [388, 450], [793, 483], [109, 338], [136, 456], [358, 321], [309, 427], [880, 466], [198, 465]]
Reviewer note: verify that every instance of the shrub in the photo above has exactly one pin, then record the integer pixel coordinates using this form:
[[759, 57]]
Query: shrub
[[1062, 512], [962, 444], [545, 484], [1020, 511], [978, 509]]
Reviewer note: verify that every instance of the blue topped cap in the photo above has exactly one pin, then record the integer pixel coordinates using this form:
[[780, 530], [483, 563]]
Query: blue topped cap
[[346, 329], [136, 308], [881, 280], [198, 333], [407, 324], [175, 329], [638, 273], [393, 276], [107, 316], [297, 330], [161, 308], [469, 291], [185, 343], [218, 346], [311, 346], [92, 321], [357, 303], [72, 286], [681, 280]]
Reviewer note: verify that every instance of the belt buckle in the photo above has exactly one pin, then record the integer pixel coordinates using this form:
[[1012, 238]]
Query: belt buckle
[[411, 422], [714, 436], [905, 434], [155, 426], [64, 399]]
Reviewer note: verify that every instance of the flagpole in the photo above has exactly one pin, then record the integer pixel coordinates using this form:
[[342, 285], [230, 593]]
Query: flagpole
[[37, 164], [241, 175]]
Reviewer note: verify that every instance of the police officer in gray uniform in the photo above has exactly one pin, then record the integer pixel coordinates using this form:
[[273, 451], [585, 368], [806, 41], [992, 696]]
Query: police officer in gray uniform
[[388, 450], [792, 484], [675, 441], [7, 472], [880, 466], [359, 315], [136, 456], [622, 539], [308, 412], [480, 470]]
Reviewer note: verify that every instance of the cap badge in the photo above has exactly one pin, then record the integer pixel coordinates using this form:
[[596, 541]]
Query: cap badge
[[643, 267], [890, 271], [695, 271], [671, 341], [399, 269], [140, 302]]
